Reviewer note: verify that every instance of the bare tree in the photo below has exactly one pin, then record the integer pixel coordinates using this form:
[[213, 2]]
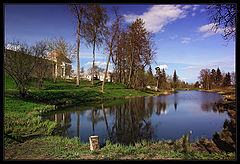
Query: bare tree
[[62, 45], [223, 16], [96, 19], [111, 40], [19, 63], [78, 11], [43, 64]]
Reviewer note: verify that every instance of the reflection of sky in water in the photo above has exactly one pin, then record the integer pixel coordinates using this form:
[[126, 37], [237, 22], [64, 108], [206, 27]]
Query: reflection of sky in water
[[163, 117]]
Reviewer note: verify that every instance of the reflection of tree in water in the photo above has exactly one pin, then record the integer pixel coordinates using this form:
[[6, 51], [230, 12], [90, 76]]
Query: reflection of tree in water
[[64, 122], [97, 116], [150, 105], [175, 102], [207, 107], [213, 106], [160, 107], [175, 106], [131, 123]]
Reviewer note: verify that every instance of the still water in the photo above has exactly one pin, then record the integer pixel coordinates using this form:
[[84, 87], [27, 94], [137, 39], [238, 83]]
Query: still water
[[149, 118]]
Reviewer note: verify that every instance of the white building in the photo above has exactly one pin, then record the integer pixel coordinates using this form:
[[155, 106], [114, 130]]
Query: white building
[[88, 76], [62, 65]]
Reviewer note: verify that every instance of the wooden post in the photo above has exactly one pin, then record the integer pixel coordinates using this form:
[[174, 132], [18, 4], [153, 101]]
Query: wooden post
[[94, 143], [185, 143]]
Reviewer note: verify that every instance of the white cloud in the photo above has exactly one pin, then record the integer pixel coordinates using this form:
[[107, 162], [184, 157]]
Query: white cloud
[[187, 7], [185, 40], [193, 14], [158, 16], [192, 67], [162, 66], [97, 63], [195, 7], [208, 30]]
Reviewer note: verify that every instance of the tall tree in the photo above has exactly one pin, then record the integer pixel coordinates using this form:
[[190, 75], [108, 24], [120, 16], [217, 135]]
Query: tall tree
[[163, 82], [213, 78], [205, 78], [78, 11], [227, 80], [96, 19], [111, 40], [175, 79], [219, 77], [223, 16], [141, 52], [158, 76]]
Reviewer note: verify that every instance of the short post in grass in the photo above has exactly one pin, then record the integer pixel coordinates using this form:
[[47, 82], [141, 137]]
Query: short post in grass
[[94, 143], [185, 143]]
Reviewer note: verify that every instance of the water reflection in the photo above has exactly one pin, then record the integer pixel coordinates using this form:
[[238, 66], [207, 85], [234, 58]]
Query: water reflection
[[146, 118]]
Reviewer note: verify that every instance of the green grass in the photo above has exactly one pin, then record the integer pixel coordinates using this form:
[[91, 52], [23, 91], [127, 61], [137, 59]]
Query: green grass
[[9, 83], [66, 92], [22, 119], [55, 147]]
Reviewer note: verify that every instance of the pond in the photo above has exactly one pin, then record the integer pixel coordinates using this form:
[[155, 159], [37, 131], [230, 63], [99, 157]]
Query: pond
[[146, 118]]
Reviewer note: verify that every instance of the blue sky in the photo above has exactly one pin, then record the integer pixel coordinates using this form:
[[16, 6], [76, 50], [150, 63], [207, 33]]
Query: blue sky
[[182, 35]]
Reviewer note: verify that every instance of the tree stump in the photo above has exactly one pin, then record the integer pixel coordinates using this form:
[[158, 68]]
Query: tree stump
[[185, 143], [94, 143]]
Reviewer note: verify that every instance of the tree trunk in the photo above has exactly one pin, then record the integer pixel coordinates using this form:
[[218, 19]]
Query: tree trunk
[[40, 82], [55, 73], [78, 44], [106, 70], [22, 91], [93, 60]]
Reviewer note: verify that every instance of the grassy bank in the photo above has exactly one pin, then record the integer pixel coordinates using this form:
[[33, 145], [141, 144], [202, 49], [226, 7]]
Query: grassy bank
[[65, 92], [27, 136], [62, 148]]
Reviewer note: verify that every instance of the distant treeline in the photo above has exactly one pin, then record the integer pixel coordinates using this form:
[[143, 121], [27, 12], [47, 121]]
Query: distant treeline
[[210, 79]]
